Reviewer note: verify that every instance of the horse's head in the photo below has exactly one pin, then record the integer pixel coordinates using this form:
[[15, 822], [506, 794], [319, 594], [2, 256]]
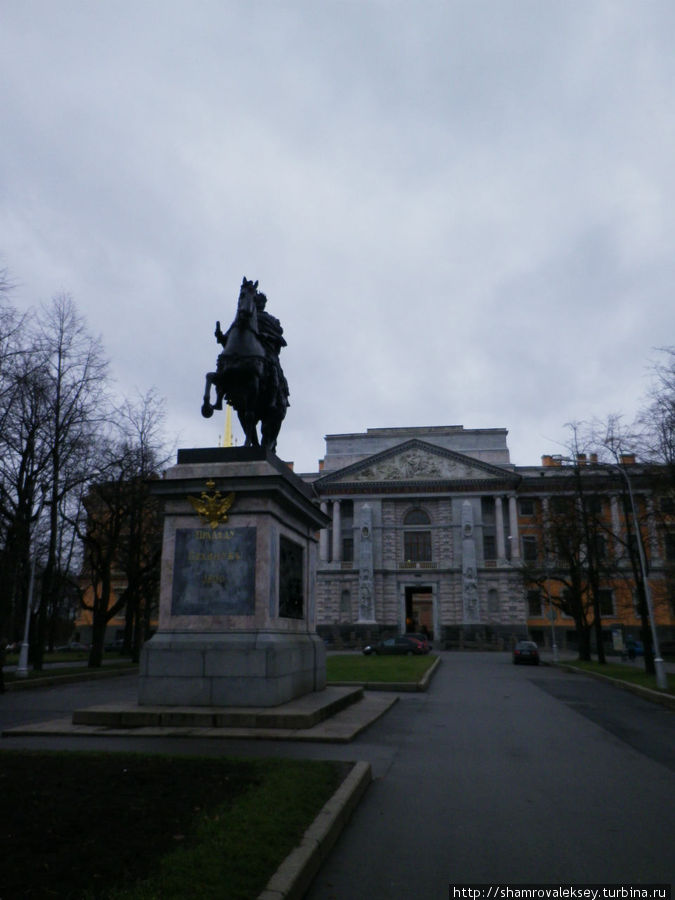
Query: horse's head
[[246, 307]]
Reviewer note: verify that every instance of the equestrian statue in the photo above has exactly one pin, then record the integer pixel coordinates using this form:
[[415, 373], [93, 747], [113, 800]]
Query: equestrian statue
[[248, 372]]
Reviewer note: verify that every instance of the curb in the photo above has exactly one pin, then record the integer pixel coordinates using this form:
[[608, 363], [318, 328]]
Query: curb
[[667, 700], [72, 678], [398, 687], [294, 876]]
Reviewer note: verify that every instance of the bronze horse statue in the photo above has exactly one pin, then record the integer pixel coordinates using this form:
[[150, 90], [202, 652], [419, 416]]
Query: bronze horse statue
[[248, 373]]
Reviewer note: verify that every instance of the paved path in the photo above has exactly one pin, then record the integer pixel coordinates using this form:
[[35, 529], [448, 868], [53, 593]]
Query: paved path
[[511, 774], [498, 774]]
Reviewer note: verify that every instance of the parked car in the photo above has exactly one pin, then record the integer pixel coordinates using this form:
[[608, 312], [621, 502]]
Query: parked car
[[404, 644], [422, 638], [526, 652], [117, 644], [71, 647]]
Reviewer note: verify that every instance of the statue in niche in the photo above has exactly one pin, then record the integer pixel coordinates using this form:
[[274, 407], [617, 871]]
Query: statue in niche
[[364, 604]]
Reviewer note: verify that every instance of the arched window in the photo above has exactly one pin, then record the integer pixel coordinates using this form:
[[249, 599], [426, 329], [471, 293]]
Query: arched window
[[416, 517], [416, 536]]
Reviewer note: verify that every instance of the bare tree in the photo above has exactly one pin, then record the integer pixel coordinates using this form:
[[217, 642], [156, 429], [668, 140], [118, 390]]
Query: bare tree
[[23, 460], [122, 540], [564, 565], [141, 539], [657, 419], [75, 370]]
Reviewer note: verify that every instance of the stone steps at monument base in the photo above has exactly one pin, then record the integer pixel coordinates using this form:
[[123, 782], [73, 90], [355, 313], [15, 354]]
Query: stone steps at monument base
[[302, 713]]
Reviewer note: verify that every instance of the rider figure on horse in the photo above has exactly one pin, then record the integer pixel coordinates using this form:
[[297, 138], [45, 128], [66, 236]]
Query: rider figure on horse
[[271, 336]]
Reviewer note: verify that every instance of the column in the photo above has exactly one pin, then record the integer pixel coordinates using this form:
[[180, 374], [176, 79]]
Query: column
[[337, 532], [323, 536], [499, 525], [513, 525]]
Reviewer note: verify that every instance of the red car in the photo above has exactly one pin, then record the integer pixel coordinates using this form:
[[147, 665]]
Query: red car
[[404, 644], [422, 638]]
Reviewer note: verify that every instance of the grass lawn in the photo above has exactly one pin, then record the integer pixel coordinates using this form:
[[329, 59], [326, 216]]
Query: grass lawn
[[360, 668], [623, 672], [135, 827]]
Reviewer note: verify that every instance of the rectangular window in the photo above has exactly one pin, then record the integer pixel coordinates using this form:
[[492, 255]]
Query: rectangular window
[[529, 548], [487, 510], [534, 602], [601, 546], [526, 507], [606, 601], [348, 549], [489, 546], [346, 509], [670, 546], [594, 505], [417, 546]]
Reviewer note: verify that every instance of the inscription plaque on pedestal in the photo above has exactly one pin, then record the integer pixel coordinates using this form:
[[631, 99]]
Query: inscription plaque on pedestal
[[214, 572]]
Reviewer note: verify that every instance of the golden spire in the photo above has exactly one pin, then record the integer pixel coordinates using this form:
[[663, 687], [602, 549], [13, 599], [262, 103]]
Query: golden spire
[[227, 440]]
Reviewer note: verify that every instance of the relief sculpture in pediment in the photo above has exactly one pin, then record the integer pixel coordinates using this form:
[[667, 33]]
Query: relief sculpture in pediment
[[415, 465]]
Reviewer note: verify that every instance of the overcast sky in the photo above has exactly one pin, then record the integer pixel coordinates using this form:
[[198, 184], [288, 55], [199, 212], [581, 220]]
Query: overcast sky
[[461, 212]]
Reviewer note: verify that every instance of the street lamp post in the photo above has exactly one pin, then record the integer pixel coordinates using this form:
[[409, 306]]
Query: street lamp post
[[22, 668], [659, 666]]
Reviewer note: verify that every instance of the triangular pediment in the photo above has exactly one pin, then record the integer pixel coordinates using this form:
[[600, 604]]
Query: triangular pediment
[[416, 461]]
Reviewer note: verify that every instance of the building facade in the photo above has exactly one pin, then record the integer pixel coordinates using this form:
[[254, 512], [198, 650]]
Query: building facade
[[435, 529]]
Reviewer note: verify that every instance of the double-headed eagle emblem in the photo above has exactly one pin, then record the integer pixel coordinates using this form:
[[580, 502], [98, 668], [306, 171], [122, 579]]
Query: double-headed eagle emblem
[[212, 508]]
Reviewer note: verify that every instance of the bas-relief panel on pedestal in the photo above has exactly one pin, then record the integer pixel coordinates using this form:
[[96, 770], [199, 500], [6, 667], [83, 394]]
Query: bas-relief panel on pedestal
[[291, 568]]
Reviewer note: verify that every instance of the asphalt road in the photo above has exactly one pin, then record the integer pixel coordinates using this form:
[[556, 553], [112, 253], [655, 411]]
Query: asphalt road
[[506, 774], [498, 774]]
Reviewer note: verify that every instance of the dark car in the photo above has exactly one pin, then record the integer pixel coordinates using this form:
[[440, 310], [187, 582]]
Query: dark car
[[526, 652], [404, 644], [72, 647], [117, 644]]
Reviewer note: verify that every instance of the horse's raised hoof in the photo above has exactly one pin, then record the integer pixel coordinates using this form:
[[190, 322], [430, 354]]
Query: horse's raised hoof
[[207, 410]]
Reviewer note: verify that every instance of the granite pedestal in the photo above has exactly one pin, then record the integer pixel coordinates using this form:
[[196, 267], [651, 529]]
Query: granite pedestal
[[237, 602]]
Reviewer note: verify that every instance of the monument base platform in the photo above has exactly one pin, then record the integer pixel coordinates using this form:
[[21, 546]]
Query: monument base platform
[[334, 715], [257, 669], [302, 713]]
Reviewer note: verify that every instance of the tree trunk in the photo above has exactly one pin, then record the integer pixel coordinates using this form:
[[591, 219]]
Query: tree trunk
[[97, 637], [584, 635], [597, 629]]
